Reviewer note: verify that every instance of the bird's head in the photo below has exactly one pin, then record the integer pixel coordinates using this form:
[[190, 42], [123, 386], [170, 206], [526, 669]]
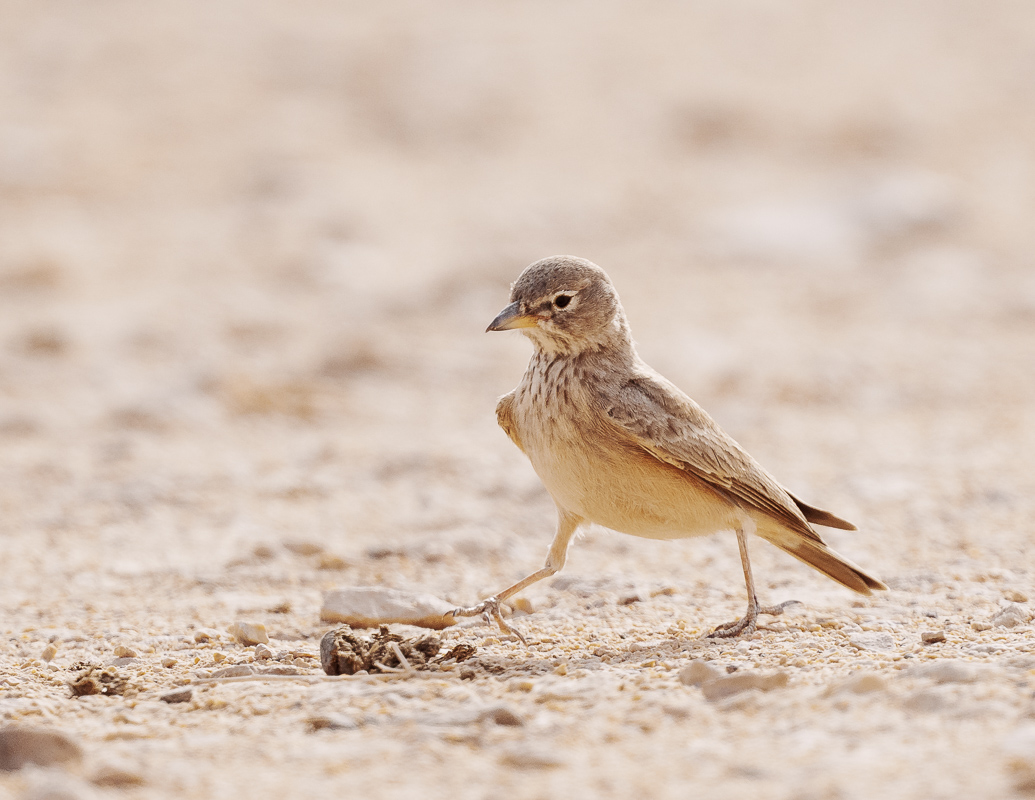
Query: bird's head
[[565, 305]]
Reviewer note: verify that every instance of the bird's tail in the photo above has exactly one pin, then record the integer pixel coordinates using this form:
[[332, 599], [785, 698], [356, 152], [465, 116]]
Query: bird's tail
[[817, 516], [832, 564]]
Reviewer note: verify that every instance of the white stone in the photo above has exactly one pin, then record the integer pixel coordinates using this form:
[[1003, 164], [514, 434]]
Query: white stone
[[235, 671], [370, 606], [1011, 616], [249, 632], [877, 642]]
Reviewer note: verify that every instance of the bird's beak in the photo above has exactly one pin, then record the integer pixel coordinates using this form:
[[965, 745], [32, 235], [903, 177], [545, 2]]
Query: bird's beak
[[510, 318]]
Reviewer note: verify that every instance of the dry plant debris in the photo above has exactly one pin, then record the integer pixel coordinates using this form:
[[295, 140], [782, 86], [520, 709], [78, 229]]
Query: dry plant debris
[[94, 680], [342, 652]]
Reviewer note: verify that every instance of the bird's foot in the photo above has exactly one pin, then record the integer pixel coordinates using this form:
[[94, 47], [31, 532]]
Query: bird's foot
[[491, 609], [748, 623]]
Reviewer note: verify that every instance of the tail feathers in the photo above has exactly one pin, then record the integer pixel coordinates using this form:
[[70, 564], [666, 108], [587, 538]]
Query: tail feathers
[[817, 516], [835, 566]]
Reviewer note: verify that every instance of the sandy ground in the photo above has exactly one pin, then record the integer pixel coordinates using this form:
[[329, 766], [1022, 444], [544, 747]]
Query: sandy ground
[[247, 253]]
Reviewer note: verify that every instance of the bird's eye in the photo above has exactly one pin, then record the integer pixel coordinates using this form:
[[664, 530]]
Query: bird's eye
[[562, 300]]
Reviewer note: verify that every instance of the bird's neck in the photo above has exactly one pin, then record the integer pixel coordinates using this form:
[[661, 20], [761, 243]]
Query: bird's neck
[[611, 347]]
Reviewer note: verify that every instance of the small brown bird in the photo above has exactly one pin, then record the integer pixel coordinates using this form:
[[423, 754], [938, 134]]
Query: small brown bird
[[617, 444]]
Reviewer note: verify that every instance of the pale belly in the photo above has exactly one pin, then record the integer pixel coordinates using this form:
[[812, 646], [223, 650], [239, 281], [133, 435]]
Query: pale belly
[[627, 489]]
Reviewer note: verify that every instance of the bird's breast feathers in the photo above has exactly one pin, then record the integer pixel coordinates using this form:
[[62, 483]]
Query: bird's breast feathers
[[594, 469]]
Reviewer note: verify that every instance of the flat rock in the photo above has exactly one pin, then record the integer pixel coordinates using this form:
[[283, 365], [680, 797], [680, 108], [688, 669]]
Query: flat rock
[[21, 745], [730, 685], [877, 642], [370, 606], [178, 695], [234, 671]]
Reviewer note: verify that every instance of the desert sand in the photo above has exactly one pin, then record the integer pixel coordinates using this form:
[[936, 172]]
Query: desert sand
[[247, 256]]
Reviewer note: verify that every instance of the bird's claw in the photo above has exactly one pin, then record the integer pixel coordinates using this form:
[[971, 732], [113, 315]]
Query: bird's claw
[[489, 606], [491, 610], [749, 622]]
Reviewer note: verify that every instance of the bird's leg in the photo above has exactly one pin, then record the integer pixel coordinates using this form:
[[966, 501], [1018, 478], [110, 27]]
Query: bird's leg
[[748, 622], [555, 558]]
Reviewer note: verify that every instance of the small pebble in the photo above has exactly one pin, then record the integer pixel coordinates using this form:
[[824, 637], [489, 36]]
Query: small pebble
[[262, 652], [21, 745], [49, 652], [121, 651], [330, 561], [235, 671], [263, 552], [522, 604], [981, 626], [303, 548], [169, 661], [331, 722], [502, 715], [249, 633], [205, 635], [1011, 617], [117, 776], [932, 637], [1015, 597], [182, 695]]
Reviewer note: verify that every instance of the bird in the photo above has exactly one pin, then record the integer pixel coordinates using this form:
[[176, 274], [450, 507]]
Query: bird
[[616, 444]]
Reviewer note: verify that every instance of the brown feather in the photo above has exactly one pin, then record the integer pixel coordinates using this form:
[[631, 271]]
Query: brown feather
[[817, 516], [674, 429], [832, 564]]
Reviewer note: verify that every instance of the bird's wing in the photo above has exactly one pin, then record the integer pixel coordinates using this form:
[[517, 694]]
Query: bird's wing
[[505, 417], [674, 429]]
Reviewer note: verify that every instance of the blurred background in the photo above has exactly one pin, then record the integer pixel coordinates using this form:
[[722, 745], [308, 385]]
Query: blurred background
[[248, 252]]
